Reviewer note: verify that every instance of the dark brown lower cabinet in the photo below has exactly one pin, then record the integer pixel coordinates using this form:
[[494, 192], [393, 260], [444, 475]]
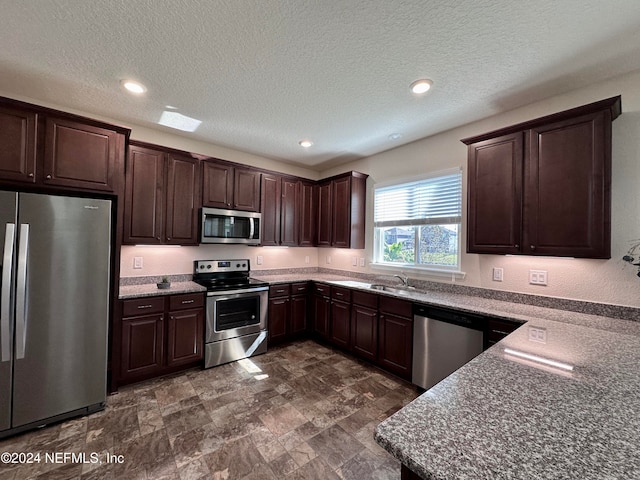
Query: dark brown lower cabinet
[[142, 342], [287, 311], [160, 335], [340, 323], [321, 310], [364, 328], [395, 336], [407, 474]]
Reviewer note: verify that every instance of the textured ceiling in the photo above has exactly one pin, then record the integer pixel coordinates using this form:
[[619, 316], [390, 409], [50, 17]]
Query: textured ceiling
[[263, 74]]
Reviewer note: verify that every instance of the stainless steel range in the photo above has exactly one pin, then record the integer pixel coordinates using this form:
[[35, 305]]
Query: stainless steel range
[[236, 312]]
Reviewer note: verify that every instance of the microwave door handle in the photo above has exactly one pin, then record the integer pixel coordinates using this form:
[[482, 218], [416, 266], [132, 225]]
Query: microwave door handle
[[21, 292], [251, 228], [5, 295]]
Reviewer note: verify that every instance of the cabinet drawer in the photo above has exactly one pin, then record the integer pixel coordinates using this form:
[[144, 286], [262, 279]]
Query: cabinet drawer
[[182, 302], [282, 290], [341, 293], [365, 299], [401, 308], [321, 289], [299, 288], [142, 306]]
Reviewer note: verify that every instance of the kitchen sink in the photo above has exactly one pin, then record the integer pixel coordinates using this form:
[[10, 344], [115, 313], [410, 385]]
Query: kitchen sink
[[399, 289]]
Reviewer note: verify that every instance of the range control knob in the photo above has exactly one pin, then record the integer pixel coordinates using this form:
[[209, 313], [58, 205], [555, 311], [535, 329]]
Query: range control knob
[[209, 266], [201, 267], [244, 264], [237, 265]]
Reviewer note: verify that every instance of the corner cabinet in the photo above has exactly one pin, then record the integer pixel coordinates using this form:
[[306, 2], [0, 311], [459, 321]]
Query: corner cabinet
[[544, 187], [162, 196], [341, 211]]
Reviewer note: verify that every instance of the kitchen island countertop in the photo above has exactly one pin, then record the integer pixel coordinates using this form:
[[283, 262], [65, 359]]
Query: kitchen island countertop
[[502, 416]]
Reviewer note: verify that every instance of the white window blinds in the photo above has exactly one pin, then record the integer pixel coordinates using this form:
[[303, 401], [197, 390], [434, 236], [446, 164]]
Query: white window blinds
[[436, 200]]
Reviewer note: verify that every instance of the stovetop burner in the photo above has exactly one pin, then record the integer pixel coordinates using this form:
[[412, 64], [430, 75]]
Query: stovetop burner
[[220, 275]]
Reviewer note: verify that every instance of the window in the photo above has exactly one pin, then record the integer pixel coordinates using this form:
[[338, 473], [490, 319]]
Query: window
[[417, 224]]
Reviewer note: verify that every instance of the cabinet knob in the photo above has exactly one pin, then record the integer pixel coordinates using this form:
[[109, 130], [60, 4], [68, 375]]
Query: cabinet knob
[[168, 239], [158, 238], [48, 177], [533, 247], [517, 246], [31, 175]]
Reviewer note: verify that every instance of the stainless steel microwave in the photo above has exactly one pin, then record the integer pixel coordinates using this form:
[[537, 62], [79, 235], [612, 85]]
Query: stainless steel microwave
[[230, 226]]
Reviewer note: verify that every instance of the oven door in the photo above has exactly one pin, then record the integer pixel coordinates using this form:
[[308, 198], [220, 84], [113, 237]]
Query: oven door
[[236, 313]]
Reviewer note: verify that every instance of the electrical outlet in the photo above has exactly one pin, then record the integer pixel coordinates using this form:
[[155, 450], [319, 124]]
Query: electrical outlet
[[328, 258], [137, 262], [538, 334], [497, 274], [354, 261], [259, 259], [538, 277], [362, 261], [306, 259]]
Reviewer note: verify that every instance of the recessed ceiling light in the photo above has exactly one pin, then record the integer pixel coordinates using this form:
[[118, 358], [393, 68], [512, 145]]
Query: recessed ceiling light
[[134, 87], [421, 86], [305, 143], [395, 136]]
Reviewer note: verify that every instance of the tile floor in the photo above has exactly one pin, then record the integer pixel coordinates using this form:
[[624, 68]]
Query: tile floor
[[302, 411]]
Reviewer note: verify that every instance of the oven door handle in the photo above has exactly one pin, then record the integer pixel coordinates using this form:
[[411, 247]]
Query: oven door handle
[[235, 292]]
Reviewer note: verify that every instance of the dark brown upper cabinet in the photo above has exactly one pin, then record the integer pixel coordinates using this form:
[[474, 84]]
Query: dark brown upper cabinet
[[49, 148], [18, 140], [280, 210], [162, 197], [308, 201], [227, 186], [544, 187], [341, 211]]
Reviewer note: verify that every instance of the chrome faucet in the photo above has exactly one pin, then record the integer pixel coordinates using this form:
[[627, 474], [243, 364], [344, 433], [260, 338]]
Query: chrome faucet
[[404, 279]]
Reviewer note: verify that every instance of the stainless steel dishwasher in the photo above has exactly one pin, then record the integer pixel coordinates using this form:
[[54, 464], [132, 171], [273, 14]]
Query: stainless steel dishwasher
[[443, 341]]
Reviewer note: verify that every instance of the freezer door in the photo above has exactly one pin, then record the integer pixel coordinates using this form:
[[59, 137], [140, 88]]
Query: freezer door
[[7, 261], [62, 305]]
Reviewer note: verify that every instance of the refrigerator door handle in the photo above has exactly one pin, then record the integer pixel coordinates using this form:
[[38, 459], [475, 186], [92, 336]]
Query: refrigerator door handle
[[5, 295], [21, 292]]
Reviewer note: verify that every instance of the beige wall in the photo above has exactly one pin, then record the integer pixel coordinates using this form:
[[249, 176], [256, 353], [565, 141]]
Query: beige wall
[[608, 281]]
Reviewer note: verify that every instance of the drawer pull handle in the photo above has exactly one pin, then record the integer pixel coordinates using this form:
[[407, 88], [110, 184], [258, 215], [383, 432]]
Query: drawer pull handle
[[500, 332], [187, 301], [144, 306]]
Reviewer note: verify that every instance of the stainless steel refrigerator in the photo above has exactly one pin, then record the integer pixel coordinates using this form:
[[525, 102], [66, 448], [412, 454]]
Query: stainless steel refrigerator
[[54, 307]]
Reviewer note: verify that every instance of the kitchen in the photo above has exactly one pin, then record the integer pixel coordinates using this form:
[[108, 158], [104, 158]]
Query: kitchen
[[601, 281]]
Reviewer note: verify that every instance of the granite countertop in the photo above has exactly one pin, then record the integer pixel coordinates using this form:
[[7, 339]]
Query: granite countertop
[[503, 417], [151, 290]]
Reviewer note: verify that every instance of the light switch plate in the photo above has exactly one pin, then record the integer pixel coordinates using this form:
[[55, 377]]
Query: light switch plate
[[137, 262], [538, 277], [498, 274], [259, 259], [362, 261]]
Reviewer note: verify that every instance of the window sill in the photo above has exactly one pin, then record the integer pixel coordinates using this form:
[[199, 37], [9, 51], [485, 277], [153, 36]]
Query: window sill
[[421, 271]]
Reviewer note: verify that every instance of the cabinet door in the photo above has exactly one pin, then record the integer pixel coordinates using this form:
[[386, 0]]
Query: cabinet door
[[246, 191], [18, 141], [325, 214], [308, 216], [278, 319], [143, 217], [182, 195], [271, 196], [298, 312], [217, 185], [395, 344], [364, 332], [185, 337], [289, 213], [567, 188], [79, 155], [340, 323], [495, 195], [341, 207], [142, 341], [321, 312]]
